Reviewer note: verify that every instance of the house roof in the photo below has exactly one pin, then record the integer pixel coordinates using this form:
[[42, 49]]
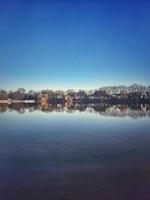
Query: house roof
[[99, 93]]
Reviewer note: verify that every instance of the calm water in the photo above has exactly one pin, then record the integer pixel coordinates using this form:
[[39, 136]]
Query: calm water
[[82, 152]]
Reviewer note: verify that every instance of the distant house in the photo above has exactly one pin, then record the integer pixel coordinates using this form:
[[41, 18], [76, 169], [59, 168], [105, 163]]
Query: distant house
[[134, 95], [148, 95], [122, 95], [80, 95], [144, 94], [59, 94], [99, 95]]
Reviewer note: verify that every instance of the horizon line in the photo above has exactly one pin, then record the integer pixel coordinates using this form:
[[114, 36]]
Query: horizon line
[[75, 89]]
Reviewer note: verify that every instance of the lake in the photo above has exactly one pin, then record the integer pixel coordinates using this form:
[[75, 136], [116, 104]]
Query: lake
[[91, 152]]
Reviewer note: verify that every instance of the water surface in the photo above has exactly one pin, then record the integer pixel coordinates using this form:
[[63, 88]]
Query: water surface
[[95, 152]]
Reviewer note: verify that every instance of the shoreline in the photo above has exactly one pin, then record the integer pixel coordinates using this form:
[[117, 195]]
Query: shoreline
[[83, 101], [16, 101]]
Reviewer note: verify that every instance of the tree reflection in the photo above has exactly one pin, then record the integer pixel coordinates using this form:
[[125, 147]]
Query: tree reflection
[[118, 110]]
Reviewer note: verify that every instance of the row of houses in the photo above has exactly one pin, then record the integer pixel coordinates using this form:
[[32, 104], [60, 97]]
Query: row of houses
[[72, 96], [97, 96]]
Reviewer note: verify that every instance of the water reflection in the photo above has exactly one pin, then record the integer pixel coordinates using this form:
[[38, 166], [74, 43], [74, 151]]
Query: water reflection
[[118, 110], [75, 154]]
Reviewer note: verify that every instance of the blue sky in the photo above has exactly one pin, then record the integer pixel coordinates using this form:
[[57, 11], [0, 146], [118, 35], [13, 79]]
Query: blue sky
[[74, 44]]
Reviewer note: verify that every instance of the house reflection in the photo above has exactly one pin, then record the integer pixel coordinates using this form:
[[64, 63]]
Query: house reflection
[[118, 110]]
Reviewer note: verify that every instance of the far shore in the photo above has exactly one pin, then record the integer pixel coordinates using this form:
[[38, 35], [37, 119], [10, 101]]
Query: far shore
[[16, 101], [82, 101]]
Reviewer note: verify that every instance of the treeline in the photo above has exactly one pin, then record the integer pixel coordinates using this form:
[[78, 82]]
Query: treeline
[[75, 96], [19, 94]]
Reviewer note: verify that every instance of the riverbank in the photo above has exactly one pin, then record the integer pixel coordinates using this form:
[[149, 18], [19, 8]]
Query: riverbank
[[16, 101], [81, 101]]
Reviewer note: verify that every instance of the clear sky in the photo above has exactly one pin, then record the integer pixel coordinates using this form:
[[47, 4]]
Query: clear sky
[[74, 44]]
